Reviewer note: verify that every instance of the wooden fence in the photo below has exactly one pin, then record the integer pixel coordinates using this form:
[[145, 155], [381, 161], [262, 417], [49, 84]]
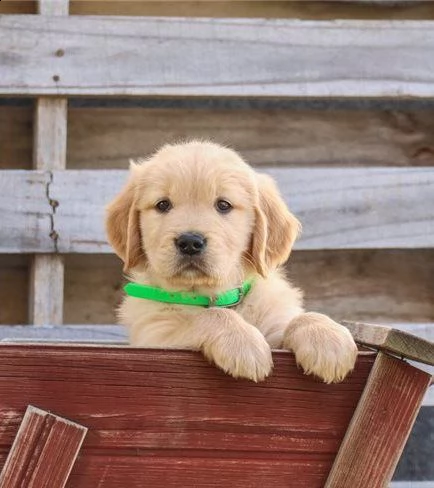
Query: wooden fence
[[341, 112]]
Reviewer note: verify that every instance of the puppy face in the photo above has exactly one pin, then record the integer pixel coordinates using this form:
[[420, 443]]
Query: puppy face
[[196, 215]]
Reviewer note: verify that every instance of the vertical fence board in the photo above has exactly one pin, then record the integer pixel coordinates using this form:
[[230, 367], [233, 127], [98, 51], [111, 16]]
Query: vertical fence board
[[47, 273]]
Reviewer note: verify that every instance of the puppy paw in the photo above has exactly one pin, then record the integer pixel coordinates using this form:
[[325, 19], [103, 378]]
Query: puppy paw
[[321, 346], [242, 353]]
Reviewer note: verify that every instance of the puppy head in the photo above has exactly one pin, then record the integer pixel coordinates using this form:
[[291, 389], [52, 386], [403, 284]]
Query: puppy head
[[196, 215]]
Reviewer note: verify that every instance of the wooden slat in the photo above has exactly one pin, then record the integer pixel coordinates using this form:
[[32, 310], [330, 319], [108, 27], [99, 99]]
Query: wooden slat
[[374, 286], [106, 137], [145, 424], [356, 208], [43, 452], [46, 289], [412, 484], [53, 7], [49, 153], [65, 333], [225, 57], [393, 341], [380, 426], [47, 274], [25, 212]]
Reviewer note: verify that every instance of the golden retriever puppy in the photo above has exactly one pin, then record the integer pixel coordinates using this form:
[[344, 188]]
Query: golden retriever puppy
[[202, 235]]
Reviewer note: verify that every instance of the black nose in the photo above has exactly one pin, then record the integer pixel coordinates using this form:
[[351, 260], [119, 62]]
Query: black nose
[[190, 243]]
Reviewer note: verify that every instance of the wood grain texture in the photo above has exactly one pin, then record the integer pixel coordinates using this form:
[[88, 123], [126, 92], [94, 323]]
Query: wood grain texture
[[358, 208], [108, 137], [50, 127], [332, 63], [377, 286], [382, 286], [53, 7], [380, 426], [105, 138], [49, 153], [46, 290], [392, 341], [43, 452], [146, 424], [26, 222]]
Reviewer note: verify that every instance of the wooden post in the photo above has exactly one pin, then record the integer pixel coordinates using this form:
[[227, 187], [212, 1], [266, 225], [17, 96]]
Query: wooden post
[[47, 273], [380, 425], [43, 452]]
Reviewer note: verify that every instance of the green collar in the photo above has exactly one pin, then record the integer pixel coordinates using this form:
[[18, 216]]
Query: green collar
[[227, 299]]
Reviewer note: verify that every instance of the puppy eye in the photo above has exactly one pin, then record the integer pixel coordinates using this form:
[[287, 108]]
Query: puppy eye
[[163, 206], [223, 206]]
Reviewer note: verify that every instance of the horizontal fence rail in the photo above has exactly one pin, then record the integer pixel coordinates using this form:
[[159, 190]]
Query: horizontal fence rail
[[359, 208], [215, 57]]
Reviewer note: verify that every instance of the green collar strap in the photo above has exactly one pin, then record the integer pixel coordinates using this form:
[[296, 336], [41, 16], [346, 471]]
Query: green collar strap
[[227, 299]]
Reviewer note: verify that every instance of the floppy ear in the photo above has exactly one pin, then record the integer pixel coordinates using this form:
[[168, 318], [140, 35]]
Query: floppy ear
[[276, 229], [122, 226]]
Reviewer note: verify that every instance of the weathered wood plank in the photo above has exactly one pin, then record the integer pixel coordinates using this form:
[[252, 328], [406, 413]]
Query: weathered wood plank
[[336, 207], [49, 153], [50, 129], [108, 137], [356, 208], [53, 7], [43, 452], [375, 286], [393, 341], [105, 138], [331, 57], [65, 333], [218, 425], [412, 484], [380, 426], [25, 212], [46, 289]]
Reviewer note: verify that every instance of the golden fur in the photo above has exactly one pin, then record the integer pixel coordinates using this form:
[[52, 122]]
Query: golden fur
[[251, 241]]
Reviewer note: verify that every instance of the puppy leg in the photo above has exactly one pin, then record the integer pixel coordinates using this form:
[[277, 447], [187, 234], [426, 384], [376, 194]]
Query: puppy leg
[[321, 346], [235, 346]]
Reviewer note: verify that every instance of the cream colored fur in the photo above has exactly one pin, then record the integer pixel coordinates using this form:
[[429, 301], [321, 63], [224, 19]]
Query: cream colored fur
[[251, 241]]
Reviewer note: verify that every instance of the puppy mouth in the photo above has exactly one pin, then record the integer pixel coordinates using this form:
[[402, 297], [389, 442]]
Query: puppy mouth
[[191, 265]]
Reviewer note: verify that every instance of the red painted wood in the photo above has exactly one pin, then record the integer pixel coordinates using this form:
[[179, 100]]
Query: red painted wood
[[380, 426], [43, 451], [168, 418]]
